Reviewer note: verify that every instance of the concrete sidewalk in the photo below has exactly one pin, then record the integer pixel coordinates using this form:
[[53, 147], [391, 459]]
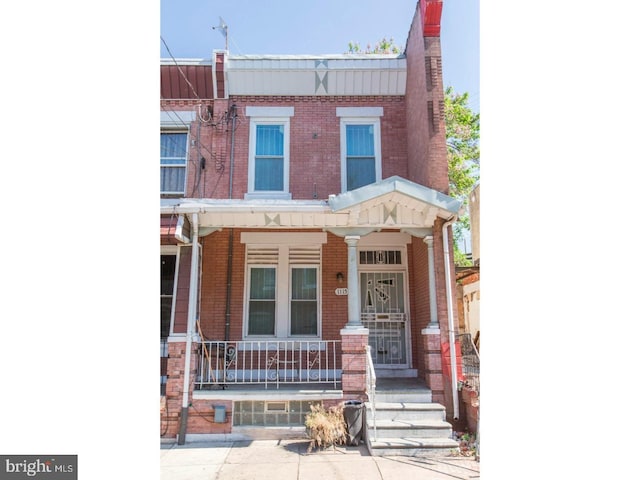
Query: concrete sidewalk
[[289, 460]]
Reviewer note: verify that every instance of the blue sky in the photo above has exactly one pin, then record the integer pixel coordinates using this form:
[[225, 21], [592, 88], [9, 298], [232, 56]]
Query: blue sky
[[314, 27]]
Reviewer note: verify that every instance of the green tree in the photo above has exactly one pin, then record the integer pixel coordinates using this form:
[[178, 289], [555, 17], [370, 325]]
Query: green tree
[[462, 128], [383, 46]]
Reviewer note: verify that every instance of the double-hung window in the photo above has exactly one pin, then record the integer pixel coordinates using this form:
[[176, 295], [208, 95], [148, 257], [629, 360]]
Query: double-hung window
[[268, 175], [282, 293], [173, 162], [174, 150], [360, 157], [262, 301], [304, 301]]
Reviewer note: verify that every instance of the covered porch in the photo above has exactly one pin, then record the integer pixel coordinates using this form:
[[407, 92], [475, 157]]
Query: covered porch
[[333, 238]]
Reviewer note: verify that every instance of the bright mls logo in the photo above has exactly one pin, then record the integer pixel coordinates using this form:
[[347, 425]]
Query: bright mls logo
[[51, 467]]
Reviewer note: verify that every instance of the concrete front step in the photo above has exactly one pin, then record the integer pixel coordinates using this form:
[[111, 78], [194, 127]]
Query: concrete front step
[[408, 411], [407, 428], [415, 429], [411, 446], [408, 396], [402, 390]]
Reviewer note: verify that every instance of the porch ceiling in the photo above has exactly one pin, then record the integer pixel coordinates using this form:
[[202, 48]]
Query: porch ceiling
[[390, 203]]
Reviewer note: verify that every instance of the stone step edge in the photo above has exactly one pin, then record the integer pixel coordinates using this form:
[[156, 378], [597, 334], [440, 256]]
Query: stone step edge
[[398, 442], [414, 424], [406, 406]]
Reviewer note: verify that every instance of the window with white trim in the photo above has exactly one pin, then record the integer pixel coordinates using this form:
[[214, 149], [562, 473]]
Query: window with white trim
[[360, 151], [282, 293], [262, 301], [173, 162], [268, 175]]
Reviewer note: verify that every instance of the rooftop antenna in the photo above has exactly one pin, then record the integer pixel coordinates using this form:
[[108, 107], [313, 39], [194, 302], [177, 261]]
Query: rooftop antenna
[[223, 31]]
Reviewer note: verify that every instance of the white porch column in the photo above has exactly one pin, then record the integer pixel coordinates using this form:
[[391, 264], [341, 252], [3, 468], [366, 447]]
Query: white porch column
[[353, 282], [433, 307]]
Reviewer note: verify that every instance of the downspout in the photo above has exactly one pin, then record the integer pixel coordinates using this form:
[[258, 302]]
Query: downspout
[[452, 334], [227, 315], [191, 320]]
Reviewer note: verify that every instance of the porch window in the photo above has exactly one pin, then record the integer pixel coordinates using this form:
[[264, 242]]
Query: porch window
[[304, 301], [262, 301], [283, 289], [173, 162]]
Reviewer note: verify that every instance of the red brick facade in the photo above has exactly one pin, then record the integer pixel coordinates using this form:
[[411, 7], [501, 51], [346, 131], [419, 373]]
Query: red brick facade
[[412, 147]]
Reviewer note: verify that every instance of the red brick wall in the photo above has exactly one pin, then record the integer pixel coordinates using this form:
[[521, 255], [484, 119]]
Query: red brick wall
[[209, 140], [427, 159], [213, 292], [334, 307], [419, 289], [214, 285], [314, 144]]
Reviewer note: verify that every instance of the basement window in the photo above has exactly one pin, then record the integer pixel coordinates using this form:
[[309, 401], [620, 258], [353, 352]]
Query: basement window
[[271, 413]]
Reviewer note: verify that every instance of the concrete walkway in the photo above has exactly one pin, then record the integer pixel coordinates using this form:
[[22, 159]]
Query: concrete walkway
[[289, 460]]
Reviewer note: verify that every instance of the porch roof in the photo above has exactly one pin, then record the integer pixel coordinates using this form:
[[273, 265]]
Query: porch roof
[[390, 203]]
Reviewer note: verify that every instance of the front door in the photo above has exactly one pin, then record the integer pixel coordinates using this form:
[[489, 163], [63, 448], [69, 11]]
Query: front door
[[382, 301]]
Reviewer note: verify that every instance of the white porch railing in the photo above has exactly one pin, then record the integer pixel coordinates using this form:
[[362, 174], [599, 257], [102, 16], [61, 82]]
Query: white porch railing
[[268, 362], [371, 390]]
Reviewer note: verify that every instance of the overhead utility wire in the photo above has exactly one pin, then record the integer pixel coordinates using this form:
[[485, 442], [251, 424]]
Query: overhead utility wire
[[186, 126], [179, 69]]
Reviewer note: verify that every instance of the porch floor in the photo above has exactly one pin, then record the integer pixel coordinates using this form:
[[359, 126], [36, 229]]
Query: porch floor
[[315, 391], [384, 384]]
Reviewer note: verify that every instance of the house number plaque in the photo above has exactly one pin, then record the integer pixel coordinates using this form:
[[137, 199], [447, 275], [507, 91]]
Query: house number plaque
[[342, 291]]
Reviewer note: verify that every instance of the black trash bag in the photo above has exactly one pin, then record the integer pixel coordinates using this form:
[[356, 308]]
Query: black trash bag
[[353, 413]]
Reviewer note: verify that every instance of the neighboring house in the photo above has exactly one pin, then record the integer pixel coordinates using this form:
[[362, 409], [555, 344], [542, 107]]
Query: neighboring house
[[468, 294], [468, 278], [304, 216]]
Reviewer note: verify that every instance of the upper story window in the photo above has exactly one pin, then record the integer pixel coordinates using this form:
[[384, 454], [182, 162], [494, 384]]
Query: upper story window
[[268, 175], [360, 154], [174, 150], [173, 162]]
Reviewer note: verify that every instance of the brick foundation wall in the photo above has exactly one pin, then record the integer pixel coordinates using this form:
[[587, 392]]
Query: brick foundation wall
[[170, 415], [354, 361]]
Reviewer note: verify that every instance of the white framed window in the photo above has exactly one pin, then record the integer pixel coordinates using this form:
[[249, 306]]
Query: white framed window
[[360, 151], [268, 175], [283, 285], [304, 301], [174, 150], [173, 161], [261, 304]]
